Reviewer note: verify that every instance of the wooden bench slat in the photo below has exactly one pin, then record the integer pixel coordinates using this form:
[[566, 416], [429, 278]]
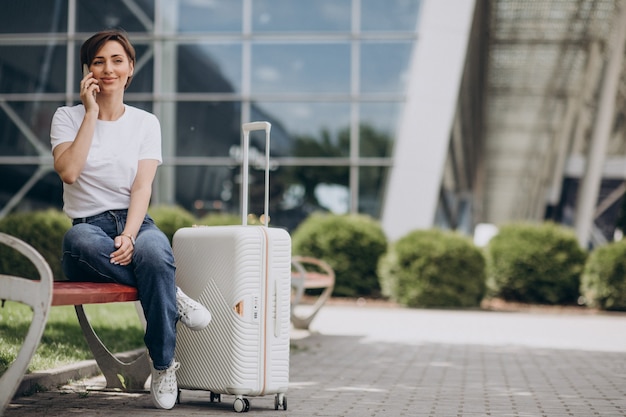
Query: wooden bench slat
[[78, 293], [315, 280]]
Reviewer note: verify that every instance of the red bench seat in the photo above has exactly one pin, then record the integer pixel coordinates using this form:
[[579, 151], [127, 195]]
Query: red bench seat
[[78, 293]]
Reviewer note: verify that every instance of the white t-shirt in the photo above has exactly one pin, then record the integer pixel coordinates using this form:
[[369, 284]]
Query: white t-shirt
[[111, 166]]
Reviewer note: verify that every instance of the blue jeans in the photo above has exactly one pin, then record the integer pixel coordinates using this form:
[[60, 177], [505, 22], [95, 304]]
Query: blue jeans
[[86, 249]]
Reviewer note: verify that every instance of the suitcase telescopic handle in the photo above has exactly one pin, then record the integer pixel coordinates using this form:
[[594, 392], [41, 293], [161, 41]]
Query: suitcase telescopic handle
[[247, 128]]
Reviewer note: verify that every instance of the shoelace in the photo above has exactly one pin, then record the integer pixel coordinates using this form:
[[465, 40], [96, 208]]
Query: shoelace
[[185, 305], [167, 379]]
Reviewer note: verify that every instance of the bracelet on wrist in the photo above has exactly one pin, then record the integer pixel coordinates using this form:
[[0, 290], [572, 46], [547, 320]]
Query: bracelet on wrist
[[128, 235]]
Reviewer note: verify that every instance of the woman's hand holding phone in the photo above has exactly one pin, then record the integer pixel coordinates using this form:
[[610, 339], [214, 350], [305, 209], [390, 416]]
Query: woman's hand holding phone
[[89, 88]]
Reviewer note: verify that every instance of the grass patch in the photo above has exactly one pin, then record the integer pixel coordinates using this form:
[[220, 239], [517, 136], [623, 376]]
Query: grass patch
[[62, 343]]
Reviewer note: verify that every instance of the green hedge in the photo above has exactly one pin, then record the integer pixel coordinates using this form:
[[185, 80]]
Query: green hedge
[[535, 263], [171, 218], [350, 244], [604, 278], [433, 268], [217, 219], [44, 231]]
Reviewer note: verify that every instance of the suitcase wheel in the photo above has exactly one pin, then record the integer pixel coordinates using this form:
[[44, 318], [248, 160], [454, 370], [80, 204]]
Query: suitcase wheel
[[241, 405], [280, 401]]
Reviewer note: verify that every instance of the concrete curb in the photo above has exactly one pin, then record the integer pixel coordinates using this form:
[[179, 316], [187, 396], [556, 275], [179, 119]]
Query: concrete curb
[[46, 380]]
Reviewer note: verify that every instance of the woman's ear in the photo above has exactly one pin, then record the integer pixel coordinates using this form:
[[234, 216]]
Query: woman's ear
[[130, 74]]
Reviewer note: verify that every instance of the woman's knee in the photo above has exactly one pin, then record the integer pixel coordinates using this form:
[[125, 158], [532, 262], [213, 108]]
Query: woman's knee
[[153, 245]]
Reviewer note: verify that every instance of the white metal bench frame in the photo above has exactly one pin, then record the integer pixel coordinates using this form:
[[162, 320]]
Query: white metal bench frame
[[36, 294], [310, 273]]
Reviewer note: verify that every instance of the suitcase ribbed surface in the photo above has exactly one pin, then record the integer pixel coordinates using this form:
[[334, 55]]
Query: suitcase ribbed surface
[[245, 348]]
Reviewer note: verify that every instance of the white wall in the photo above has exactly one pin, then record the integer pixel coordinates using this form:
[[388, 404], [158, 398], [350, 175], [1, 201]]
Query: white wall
[[420, 151]]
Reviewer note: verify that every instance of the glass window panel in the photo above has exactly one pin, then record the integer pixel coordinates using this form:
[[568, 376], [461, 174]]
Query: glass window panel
[[295, 192], [45, 193], [289, 205], [378, 127], [33, 16], [143, 77], [389, 15], [204, 189], [209, 68], [385, 66], [12, 142], [207, 128], [32, 69], [306, 189], [301, 68], [37, 116], [143, 105], [210, 16], [94, 16], [256, 192], [301, 16], [371, 190], [307, 129]]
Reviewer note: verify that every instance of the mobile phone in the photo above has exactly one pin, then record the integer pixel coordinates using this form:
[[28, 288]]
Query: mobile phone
[[85, 72]]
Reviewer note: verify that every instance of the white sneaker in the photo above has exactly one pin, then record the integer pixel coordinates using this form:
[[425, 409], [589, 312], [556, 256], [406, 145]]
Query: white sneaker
[[163, 388], [191, 313]]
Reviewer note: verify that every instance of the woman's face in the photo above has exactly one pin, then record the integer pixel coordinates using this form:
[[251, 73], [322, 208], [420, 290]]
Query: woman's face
[[111, 67]]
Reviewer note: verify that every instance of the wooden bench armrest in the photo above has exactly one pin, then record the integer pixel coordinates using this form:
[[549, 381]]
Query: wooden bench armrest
[[314, 280], [310, 273]]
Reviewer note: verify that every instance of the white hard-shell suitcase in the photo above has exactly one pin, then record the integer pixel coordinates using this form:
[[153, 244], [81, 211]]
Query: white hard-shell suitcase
[[242, 274]]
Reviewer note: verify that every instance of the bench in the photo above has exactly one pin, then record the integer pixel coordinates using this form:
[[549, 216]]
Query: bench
[[309, 273], [44, 293], [122, 375]]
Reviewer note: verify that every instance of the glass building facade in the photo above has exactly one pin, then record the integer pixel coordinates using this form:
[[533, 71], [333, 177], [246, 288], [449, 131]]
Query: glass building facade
[[330, 75]]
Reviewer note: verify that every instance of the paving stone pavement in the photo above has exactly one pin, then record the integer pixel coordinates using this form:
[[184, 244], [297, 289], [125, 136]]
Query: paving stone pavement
[[362, 361]]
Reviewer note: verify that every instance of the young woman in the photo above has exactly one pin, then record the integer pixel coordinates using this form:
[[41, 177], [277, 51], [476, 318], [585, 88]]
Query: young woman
[[107, 154]]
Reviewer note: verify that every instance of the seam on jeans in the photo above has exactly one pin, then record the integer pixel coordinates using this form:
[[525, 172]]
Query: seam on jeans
[[83, 262]]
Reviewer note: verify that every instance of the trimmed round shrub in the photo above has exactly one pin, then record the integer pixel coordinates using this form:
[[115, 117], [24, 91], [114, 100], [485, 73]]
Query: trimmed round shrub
[[388, 270], [433, 268], [171, 218], [350, 244], [535, 263], [604, 277], [44, 231], [220, 219]]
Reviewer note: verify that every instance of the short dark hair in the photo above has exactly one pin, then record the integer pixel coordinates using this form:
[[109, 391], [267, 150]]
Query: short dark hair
[[91, 46]]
